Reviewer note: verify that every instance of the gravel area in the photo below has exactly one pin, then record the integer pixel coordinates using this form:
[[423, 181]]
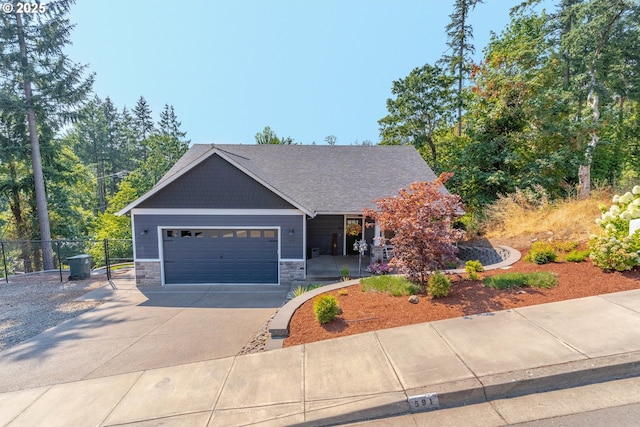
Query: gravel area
[[33, 303], [257, 343]]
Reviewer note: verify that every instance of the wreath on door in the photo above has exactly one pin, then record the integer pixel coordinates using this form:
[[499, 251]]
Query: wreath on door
[[354, 229]]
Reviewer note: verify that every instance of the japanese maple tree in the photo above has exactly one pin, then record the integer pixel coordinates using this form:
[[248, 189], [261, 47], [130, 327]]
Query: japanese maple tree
[[421, 218]]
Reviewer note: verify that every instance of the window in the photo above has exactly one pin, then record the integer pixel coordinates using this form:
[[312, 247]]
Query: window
[[269, 234], [255, 233], [241, 233], [185, 233], [227, 233], [199, 234], [214, 233]]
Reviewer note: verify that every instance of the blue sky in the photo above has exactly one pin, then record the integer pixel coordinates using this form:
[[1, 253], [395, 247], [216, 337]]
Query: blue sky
[[306, 68]]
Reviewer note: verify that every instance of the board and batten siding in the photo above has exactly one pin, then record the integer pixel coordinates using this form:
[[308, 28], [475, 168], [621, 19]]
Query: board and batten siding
[[320, 230], [215, 184], [147, 246]]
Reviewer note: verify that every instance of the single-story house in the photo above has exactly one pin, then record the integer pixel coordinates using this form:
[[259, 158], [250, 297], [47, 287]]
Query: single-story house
[[253, 214]]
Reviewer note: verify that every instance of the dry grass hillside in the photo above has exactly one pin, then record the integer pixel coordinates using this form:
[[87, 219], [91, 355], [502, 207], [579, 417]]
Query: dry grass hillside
[[521, 218]]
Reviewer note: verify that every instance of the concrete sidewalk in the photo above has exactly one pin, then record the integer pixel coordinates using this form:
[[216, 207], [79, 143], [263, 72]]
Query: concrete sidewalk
[[464, 360]]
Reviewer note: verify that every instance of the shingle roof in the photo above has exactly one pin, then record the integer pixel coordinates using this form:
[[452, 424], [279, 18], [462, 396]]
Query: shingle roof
[[317, 178]]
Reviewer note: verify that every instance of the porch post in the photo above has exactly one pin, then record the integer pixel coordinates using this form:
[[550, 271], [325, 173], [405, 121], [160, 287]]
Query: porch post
[[376, 234]]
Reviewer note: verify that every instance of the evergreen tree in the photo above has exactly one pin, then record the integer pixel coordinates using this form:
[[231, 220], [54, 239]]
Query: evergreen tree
[[47, 86], [169, 124], [459, 40], [127, 141], [143, 124]]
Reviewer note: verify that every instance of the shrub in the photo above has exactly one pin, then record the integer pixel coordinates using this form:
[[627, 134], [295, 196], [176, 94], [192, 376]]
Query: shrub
[[379, 268], [541, 279], [438, 285], [565, 245], [344, 271], [577, 256], [612, 253], [301, 290], [541, 253], [392, 285], [326, 308], [615, 249], [472, 268]]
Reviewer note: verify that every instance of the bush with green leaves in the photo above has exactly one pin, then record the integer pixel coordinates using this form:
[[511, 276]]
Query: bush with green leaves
[[438, 285], [541, 253], [577, 256], [473, 267], [326, 308], [615, 249], [565, 245], [613, 253], [540, 279]]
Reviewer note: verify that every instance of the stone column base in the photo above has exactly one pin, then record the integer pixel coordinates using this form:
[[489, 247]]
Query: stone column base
[[291, 271], [148, 273]]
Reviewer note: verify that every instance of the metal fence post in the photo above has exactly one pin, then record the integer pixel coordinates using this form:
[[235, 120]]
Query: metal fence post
[[59, 260], [4, 261], [107, 262]]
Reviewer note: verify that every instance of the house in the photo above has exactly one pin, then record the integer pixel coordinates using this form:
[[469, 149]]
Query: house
[[253, 214]]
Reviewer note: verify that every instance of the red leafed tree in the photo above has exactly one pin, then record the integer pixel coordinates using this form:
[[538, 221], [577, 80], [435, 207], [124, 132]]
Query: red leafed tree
[[421, 218]]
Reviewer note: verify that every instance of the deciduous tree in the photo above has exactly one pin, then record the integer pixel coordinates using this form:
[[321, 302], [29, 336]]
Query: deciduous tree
[[423, 104], [421, 218]]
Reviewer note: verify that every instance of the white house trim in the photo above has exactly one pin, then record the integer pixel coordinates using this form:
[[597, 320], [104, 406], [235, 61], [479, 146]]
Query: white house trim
[[161, 228], [190, 211]]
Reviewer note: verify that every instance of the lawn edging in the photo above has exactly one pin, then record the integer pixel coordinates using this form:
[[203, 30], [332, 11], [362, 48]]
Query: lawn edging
[[279, 327]]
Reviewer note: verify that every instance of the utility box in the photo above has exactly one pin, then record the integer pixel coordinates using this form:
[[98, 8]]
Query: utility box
[[79, 267]]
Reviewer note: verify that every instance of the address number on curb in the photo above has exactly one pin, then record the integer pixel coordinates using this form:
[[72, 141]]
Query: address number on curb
[[424, 402]]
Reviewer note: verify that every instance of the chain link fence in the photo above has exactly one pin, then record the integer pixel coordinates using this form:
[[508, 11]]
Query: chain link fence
[[25, 256]]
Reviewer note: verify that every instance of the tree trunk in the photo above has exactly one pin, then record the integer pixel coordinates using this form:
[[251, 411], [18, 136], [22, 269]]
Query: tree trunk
[[36, 160]]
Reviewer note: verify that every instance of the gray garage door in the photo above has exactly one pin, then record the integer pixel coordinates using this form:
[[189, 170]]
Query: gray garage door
[[220, 256]]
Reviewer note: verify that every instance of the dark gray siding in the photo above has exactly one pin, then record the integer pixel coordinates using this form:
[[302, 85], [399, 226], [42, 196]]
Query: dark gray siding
[[321, 228], [147, 242], [369, 232], [216, 184]]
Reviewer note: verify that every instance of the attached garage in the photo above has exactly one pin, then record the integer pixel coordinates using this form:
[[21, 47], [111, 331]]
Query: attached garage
[[220, 255]]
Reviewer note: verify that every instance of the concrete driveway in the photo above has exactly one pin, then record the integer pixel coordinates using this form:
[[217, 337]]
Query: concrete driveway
[[140, 329]]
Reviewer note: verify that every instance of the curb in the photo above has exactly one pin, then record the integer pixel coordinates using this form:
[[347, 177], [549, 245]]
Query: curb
[[492, 387], [279, 327]]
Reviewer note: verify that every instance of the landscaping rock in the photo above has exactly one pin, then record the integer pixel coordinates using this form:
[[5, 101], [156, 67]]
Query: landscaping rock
[[414, 299]]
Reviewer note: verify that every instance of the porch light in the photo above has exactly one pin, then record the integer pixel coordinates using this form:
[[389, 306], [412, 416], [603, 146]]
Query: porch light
[[291, 231]]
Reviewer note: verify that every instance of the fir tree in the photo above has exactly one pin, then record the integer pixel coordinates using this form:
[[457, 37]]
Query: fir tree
[[169, 124], [47, 86], [460, 35], [143, 124]]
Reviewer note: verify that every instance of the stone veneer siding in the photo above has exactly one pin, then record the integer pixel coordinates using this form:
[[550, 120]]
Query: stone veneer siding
[[291, 270], [148, 273]]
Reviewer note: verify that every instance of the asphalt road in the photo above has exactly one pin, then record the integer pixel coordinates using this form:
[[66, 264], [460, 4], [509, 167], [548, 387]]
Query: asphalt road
[[612, 403]]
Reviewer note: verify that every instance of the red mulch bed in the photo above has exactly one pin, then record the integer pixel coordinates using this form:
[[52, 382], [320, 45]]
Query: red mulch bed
[[368, 311]]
